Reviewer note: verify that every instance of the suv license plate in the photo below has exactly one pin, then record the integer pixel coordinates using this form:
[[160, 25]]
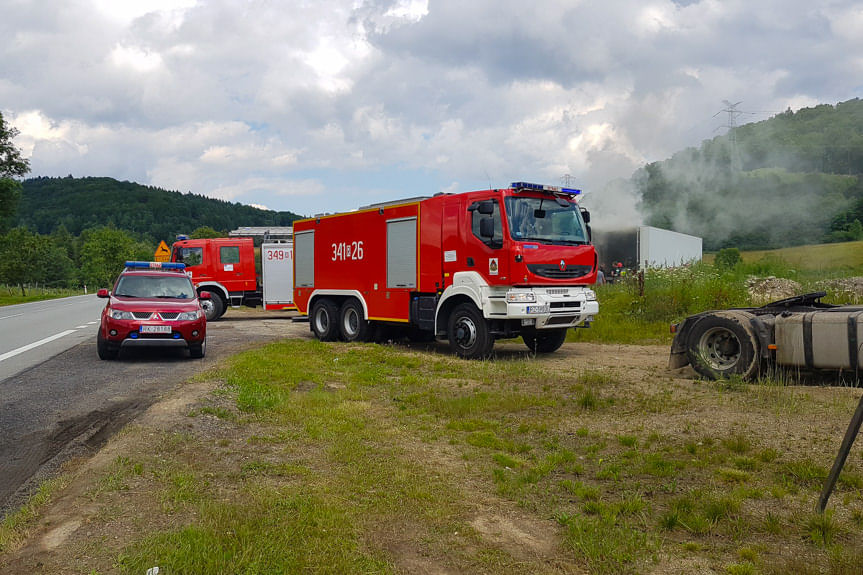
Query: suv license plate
[[155, 329]]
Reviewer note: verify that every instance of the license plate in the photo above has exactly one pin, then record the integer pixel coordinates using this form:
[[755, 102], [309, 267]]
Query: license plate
[[537, 309], [155, 329]]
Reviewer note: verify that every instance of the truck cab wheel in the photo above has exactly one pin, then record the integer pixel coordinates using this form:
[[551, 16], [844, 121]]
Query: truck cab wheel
[[469, 336], [352, 324], [325, 324], [214, 307], [545, 340], [720, 346]]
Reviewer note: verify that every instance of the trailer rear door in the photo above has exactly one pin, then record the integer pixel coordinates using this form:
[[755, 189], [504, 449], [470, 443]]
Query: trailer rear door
[[277, 271]]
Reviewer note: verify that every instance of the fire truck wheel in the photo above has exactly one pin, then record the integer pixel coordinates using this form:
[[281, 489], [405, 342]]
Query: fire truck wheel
[[213, 307], [544, 341], [468, 332], [325, 324], [721, 346], [105, 350], [352, 324]]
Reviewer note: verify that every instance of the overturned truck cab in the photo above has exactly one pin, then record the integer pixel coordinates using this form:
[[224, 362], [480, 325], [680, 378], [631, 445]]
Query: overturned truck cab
[[800, 332]]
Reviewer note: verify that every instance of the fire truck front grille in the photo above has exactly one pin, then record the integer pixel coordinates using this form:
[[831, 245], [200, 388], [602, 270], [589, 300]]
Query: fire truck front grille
[[560, 320], [558, 305], [553, 271]]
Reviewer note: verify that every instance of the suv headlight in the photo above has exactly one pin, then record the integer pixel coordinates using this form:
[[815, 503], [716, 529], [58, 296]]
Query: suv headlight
[[520, 297], [120, 314], [188, 316]]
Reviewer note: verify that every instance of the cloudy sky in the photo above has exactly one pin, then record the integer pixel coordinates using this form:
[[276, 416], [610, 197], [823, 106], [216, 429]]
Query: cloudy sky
[[321, 106]]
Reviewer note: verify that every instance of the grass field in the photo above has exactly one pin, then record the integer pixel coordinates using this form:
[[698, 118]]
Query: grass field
[[335, 458], [10, 295]]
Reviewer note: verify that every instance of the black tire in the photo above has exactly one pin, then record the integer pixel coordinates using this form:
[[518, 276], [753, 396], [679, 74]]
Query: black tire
[[325, 323], [544, 340], [721, 346], [198, 351], [105, 349], [468, 332], [352, 325], [214, 307]]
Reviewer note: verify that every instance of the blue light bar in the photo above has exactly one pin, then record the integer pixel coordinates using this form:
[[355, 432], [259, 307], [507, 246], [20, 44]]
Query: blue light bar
[[543, 188], [155, 266]]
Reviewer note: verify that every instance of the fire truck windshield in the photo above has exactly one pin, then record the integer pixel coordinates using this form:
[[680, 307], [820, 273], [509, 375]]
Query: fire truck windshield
[[544, 220]]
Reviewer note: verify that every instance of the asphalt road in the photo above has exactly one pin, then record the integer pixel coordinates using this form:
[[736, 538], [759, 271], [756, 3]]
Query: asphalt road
[[69, 403], [31, 333]]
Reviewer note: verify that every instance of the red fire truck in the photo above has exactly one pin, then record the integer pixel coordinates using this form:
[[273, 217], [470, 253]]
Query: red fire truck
[[470, 267], [236, 273]]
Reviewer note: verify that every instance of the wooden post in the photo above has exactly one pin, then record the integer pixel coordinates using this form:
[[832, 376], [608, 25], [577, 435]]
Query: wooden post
[[844, 449]]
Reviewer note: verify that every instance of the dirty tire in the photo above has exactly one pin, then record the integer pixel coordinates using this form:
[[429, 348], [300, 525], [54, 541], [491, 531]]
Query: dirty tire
[[723, 346], [468, 332], [544, 341], [352, 324], [104, 349], [325, 320], [214, 307], [198, 351]]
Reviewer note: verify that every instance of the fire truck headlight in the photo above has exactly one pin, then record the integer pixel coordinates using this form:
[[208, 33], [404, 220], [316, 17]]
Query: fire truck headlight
[[120, 314], [589, 295], [520, 297]]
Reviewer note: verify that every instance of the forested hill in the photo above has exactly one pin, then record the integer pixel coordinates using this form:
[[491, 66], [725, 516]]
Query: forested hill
[[82, 203], [794, 179]]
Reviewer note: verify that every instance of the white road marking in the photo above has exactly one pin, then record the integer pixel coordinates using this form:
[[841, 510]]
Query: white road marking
[[13, 315], [80, 326], [28, 347]]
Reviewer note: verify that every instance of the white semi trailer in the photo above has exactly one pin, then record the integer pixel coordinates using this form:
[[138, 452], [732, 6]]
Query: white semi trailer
[[645, 247]]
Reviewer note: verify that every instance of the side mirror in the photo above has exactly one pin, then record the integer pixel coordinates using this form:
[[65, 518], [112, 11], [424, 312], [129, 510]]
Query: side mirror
[[486, 228], [539, 214], [205, 295], [585, 215], [103, 293], [486, 207]]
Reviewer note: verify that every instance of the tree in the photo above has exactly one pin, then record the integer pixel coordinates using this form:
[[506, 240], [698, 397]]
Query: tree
[[27, 258], [11, 165], [11, 162], [104, 252], [205, 232]]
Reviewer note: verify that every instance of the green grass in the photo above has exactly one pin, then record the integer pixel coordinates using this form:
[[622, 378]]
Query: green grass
[[11, 295], [338, 458], [630, 315]]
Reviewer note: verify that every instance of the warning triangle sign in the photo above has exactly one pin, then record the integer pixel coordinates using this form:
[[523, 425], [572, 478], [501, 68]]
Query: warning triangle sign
[[163, 254]]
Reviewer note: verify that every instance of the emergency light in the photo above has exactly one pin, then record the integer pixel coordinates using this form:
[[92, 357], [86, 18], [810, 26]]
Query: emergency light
[[155, 266], [543, 188]]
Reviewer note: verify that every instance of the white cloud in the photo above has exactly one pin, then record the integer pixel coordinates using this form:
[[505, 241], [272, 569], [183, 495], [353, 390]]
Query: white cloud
[[274, 102]]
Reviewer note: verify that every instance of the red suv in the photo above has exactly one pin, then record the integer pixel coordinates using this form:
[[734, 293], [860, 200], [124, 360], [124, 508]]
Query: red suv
[[153, 304]]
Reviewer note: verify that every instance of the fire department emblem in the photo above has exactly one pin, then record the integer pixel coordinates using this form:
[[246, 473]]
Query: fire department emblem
[[492, 266], [562, 265]]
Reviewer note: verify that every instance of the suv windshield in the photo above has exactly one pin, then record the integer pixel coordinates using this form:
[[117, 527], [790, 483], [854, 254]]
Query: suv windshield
[[544, 220], [154, 286]]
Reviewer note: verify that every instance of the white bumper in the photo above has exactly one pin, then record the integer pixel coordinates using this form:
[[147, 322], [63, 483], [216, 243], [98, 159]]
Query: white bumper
[[542, 307]]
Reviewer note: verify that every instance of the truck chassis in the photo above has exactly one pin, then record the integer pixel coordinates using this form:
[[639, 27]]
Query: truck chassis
[[800, 332]]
